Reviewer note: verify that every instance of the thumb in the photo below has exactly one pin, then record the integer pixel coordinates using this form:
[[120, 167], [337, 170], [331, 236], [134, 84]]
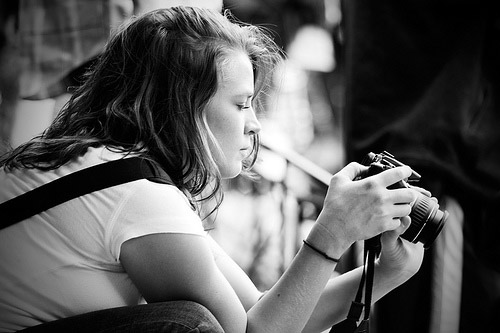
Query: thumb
[[393, 235]]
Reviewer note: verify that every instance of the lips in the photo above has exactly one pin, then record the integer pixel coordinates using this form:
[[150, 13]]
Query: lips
[[245, 151]]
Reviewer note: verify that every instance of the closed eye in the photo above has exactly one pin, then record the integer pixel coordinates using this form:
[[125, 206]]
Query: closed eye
[[244, 106]]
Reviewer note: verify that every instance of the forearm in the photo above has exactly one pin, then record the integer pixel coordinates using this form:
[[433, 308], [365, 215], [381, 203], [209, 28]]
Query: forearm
[[289, 304], [340, 291], [353, 210]]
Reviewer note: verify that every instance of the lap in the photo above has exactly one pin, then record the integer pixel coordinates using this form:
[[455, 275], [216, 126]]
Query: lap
[[175, 316]]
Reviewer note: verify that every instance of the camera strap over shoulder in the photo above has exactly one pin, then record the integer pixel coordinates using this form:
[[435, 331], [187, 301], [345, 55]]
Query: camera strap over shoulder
[[78, 183]]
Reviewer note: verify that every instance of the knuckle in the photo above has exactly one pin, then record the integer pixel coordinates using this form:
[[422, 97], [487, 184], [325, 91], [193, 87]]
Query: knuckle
[[381, 196], [386, 225], [386, 212], [370, 184], [357, 165], [334, 179], [379, 211]]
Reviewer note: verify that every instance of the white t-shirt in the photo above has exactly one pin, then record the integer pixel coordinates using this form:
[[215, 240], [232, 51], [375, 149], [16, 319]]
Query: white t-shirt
[[65, 261]]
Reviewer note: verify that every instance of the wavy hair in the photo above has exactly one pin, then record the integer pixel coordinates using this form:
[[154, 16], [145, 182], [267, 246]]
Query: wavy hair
[[147, 95]]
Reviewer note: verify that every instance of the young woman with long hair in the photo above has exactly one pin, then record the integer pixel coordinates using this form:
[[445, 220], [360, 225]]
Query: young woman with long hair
[[179, 87]]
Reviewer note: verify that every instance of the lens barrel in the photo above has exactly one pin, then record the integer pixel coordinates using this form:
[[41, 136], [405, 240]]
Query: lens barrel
[[427, 220]]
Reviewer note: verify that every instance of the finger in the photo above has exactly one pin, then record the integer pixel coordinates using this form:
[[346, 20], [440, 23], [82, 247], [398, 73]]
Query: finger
[[405, 223], [401, 210], [352, 170], [393, 235], [403, 196], [421, 190], [394, 175]]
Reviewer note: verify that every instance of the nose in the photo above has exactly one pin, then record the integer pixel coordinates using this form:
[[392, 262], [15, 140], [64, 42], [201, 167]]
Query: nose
[[252, 124]]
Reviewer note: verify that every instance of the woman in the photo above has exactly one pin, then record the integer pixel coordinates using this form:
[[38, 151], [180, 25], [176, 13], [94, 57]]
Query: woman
[[179, 87]]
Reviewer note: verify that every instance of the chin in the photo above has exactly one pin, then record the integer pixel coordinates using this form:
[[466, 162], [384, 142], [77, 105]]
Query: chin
[[231, 172]]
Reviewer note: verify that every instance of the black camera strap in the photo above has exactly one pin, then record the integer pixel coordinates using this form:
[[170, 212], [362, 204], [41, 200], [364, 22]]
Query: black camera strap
[[77, 184], [372, 248]]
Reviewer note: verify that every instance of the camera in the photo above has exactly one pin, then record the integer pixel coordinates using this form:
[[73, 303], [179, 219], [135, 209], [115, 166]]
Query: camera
[[427, 220]]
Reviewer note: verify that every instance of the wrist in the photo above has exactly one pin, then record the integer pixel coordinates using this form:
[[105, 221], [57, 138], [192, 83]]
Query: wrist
[[391, 275], [323, 240], [320, 252]]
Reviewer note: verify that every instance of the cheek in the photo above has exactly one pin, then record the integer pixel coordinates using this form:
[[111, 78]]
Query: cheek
[[228, 136], [227, 130], [218, 130]]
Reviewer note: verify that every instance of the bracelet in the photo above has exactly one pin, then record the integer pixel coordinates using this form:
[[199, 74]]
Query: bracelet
[[326, 256]]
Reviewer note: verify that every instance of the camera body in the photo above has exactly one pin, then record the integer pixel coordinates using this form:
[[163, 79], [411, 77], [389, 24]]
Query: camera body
[[427, 220]]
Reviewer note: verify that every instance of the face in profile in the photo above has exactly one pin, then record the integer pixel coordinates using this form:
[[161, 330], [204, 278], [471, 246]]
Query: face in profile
[[230, 115]]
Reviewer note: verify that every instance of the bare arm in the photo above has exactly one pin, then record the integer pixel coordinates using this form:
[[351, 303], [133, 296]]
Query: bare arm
[[352, 211], [175, 266], [166, 267], [399, 261]]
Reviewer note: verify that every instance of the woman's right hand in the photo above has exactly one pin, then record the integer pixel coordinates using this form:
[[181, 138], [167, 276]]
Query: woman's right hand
[[360, 209]]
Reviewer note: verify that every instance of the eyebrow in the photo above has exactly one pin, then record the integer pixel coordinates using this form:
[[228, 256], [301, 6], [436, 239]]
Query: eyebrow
[[244, 95]]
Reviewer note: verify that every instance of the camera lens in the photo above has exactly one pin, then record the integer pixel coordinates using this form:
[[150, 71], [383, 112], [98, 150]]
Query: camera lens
[[427, 221]]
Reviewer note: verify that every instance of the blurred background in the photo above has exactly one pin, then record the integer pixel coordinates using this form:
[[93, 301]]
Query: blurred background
[[420, 79]]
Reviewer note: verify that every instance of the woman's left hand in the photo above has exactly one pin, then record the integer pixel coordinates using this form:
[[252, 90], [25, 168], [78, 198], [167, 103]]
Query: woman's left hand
[[400, 258]]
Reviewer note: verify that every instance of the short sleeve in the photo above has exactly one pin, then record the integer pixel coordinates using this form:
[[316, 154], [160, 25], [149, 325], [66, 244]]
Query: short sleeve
[[151, 208]]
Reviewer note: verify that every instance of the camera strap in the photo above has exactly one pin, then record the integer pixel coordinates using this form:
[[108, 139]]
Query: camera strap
[[78, 183], [372, 249]]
